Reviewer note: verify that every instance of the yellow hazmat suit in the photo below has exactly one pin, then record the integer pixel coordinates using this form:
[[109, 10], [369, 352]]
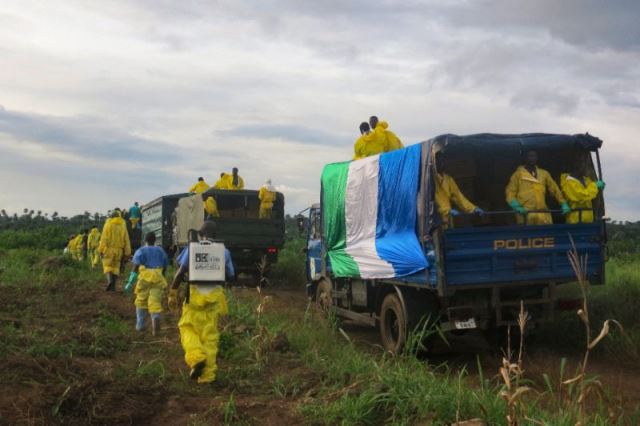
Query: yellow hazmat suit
[[93, 240], [211, 207], [392, 141], [150, 289], [229, 182], [447, 191], [221, 183], [369, 144], [530, 193], [267, 196], [71, 247], [77, 247], [579, 196], [114, 244], [198, 326], [199, 187]]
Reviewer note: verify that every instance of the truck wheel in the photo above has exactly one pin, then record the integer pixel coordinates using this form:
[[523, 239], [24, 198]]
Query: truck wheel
[[323, 295], [393, 324]]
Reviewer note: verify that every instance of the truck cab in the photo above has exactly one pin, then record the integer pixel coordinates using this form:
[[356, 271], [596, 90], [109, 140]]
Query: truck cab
[[477, 269]]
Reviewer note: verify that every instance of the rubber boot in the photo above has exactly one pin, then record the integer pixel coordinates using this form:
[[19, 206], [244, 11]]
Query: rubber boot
[[141, 316], [114, 279], [110, 282], [155, 324]]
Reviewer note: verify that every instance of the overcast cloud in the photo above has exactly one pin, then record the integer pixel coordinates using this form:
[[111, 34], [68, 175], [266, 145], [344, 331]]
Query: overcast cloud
[[102, 103]]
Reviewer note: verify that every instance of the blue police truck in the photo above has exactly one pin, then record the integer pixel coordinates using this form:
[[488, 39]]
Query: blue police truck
[[379, 252]]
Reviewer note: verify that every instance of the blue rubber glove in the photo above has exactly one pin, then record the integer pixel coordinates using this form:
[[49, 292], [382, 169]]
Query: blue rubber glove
[[478, 211], [454, 212], [600, 184], [131, 282], [565, 208], [515, 204]]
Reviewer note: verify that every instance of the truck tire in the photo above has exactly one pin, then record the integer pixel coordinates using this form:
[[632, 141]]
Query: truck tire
[[393, 324], [323, 295]]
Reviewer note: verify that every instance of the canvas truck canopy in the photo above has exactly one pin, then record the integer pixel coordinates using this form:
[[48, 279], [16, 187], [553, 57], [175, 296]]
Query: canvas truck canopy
[[482, 164], [526, 141]]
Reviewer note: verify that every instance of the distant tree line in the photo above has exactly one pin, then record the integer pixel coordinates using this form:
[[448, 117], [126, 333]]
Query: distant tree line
[[36, 229], [624, 239]]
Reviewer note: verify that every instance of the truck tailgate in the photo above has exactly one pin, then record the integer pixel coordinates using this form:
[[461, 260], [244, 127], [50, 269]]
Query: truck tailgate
[[519, 254], [250, 233]]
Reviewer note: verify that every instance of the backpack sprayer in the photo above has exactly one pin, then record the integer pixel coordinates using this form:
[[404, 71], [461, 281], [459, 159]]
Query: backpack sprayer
[[206, 262]]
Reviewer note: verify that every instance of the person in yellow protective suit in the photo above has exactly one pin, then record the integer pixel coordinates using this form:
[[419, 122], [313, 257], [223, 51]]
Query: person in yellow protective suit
[[222, 182], [527, 190], [580, 190], [114, 245], [369, 143], [149, 266], [198, 323], [77, 246], [71, 248], [211, 207], [93, 240], [392, 142], [267, 196], [448, 193], [232, 181], [199, 187]]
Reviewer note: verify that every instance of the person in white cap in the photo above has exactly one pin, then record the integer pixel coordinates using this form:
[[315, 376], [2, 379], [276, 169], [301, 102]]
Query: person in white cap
[[267, 196]]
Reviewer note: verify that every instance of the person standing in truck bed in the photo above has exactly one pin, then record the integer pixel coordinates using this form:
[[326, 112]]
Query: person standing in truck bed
[[135, 215], [448, 194], [580, 190], [230, 181], [267, 196], [199, 187], [527, 190]]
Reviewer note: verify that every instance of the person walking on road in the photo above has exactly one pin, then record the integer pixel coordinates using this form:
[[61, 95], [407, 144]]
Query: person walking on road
[[198, 323], [114, 246], [150, 263], [93, 240]]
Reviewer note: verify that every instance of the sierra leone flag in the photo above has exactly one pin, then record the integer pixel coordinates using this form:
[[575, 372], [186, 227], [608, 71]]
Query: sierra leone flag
[[369, 215]]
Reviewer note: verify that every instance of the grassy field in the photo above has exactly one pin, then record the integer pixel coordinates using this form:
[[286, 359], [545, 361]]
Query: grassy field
[[70, 355]]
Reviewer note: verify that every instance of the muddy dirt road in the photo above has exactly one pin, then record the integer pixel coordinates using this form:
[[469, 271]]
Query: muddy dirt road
[[96, 370]]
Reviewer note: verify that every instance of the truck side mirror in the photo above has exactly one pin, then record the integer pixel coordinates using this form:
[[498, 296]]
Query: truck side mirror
[[301, 222]]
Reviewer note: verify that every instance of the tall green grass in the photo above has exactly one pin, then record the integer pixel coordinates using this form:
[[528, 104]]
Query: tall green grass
[[352, 386]]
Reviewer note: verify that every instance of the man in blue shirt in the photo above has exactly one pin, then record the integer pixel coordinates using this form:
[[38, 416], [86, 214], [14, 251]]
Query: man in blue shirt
[[149, 266], [199, 320]]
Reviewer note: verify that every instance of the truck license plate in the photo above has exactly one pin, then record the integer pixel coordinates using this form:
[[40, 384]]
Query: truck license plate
[[463, 325]]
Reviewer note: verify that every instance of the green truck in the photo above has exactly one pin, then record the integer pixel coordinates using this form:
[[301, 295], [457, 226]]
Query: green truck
[[251, 240]]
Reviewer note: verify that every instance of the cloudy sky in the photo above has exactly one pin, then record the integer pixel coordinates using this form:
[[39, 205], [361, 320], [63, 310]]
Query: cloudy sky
[[105, 102]]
